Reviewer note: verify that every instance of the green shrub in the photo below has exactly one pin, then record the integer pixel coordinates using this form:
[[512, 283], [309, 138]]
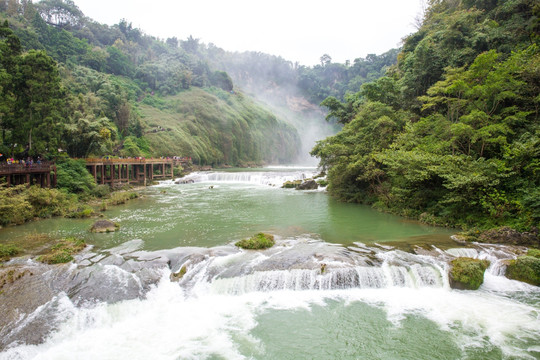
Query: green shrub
[[178, 171], [534, 253], [257, 242], [525, 268], [467, 273], [118, 198], [8, 251], [130, 147], [84, 211], [101, 191], [73, 176], [322, 182], [47, 202], [62, 252], [14, 205]]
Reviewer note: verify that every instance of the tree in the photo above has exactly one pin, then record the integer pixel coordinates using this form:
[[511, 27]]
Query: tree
[[61, 13], [39, 103], [10, 50], [222, 80], [325, 60], [190, 45]]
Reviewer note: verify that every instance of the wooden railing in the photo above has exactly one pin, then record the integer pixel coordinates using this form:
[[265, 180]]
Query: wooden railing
[[6, 169], [110, 161]]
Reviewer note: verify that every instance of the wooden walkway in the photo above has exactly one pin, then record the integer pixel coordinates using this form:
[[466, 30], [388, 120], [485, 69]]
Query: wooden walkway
[[126, 171], [43, 174], [105, 171]]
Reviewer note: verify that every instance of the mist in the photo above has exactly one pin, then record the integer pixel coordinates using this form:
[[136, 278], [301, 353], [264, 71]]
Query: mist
[[272, 82]]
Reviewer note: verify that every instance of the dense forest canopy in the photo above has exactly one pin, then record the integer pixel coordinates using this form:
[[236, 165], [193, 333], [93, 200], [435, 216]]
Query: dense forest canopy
[[98, 85], [451, 134]]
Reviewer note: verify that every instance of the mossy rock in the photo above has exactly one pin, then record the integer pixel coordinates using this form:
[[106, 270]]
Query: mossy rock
[[257, 242], [62, 252], [309, 184], [291, 184], [525, 268], [8, 251], [102, 226], [177, 276], [467, 273]]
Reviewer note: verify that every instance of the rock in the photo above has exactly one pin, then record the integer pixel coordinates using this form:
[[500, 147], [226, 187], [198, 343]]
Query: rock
[[102, 226], [508, 236], [525, 268], [308, 185], [467, 273], [177, 276], [291, 184], [257, 242], [184, 181]]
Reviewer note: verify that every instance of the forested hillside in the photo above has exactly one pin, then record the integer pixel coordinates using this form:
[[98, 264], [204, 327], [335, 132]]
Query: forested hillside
[[294, 91], [451, 134], [70, 83]]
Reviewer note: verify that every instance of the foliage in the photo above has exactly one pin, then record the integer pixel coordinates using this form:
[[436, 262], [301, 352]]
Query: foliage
[[257, 242], [450, 135], [526, 269], [63, 251], [217, 127], [73, 176], [534, 253], [19, 204], [8, 251], [468, 273], [120, 197], [32, 98]]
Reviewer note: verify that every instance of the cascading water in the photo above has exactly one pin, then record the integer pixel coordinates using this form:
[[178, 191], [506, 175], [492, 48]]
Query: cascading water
[[274, 178], [195, 297]]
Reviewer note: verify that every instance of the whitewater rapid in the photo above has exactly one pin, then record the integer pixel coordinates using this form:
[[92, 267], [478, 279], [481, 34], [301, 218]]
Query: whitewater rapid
[[213, 310]]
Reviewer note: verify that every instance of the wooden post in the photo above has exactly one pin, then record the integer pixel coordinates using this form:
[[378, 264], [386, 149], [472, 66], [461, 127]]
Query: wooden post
[[144, 174], [112, 174]]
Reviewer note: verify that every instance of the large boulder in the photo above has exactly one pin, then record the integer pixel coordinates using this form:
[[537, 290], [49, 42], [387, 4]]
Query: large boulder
[[102, 226], [308, 185], [467, 273], [525, 268]]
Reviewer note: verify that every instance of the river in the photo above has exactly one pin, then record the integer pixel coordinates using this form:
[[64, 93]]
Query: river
[[342, 282]]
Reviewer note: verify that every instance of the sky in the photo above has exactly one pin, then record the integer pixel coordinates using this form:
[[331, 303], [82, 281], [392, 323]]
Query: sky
[[297, 30]]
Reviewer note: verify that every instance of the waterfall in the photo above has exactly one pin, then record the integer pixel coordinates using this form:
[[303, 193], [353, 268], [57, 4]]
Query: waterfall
[[258, 178]]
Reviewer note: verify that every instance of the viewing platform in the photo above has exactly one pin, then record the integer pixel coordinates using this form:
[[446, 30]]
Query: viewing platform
[[43, 174], [133, 170]]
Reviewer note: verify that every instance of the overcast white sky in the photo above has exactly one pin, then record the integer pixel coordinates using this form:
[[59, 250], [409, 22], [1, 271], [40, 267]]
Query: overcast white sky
[[297, 30]]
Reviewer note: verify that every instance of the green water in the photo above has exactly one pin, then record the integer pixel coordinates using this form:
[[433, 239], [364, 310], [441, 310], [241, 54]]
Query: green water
[[171, 215]]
